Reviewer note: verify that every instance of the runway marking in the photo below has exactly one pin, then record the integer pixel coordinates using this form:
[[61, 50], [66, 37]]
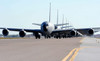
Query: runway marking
[[70, 53], [74, 55], [77, 50]]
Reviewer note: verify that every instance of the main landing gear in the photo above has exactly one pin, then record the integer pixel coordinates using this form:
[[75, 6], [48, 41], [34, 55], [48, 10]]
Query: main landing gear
[[37, 36], [47, 36]]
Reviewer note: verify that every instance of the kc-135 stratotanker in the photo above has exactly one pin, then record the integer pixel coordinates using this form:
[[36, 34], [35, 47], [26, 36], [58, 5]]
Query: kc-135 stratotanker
[[49, 30]]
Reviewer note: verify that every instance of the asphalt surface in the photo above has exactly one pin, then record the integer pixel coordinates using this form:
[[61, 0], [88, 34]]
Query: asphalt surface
[[30, 49]]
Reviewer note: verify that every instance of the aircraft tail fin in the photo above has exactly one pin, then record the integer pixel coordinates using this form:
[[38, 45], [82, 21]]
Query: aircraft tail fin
[[57, 17], [50, 13]]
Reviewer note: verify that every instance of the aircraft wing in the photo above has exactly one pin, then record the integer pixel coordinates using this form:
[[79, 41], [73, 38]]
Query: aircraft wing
[[27, 30], [83, 31], [96, 29], [88, 30], [33, 30]]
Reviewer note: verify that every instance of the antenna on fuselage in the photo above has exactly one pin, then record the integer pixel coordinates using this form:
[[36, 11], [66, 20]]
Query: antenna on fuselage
[[50, 13]]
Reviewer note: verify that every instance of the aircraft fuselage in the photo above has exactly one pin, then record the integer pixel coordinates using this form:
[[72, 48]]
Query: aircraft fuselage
[[47, 28]]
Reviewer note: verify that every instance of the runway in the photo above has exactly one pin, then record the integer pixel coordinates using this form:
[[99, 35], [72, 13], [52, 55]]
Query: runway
[[30, 49]]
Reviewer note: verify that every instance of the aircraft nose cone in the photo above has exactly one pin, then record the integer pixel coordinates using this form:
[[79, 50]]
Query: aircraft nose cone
[[45, 26]]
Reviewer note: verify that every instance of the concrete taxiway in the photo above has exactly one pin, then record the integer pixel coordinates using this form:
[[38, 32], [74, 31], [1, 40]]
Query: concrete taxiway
[[30, 49], [89, 50]]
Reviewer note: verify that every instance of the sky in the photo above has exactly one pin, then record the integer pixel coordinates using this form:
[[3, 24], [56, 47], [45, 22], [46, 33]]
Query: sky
[[22, 13]]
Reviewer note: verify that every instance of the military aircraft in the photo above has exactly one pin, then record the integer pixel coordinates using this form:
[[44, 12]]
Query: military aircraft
[[51, 30]]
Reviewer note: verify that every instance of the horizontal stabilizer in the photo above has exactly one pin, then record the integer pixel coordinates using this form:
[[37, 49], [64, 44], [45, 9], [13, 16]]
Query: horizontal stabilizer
[[96, 29], [2, 28], [66, 26], [36, 24], [61, 24]]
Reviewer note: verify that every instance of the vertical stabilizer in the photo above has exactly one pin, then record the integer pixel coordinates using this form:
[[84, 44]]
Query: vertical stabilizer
[[66, 24], [57, 17], [63, 20], [50, 13]]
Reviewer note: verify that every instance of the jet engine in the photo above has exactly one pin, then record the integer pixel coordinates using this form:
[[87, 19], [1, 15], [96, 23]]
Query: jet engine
[[72, 33], [87, 32], [22, 33], [5, 32], [90, 32]]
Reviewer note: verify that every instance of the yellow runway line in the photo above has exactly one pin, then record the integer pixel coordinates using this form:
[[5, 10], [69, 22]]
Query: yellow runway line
[[77, 50], [73, 57], [69, 55], [73, 51]]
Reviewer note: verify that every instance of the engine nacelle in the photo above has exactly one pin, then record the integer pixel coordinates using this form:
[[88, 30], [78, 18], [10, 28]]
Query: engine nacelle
[[72, 33], [5, 32], [22, 33], [90, 32], [87, 32]]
